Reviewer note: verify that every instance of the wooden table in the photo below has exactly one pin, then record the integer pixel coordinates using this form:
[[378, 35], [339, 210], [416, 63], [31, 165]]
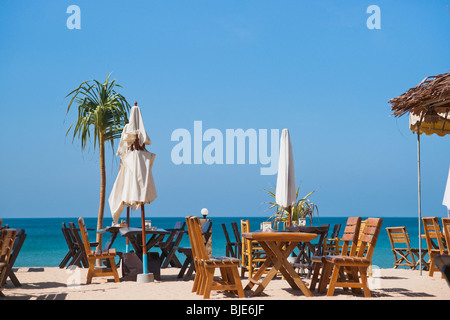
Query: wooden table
[[135, 237], [278, 246], [114, 230]]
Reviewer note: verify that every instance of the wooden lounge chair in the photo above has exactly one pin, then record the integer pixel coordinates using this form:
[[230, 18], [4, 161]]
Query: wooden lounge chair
[[7, 238], [206, 266], [356, 266], [404, 255], [321, 266], [433, 232], [93, 255], [331, 244], [253, 254]]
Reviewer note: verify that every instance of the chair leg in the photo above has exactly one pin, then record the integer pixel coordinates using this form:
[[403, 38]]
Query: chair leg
[[315, 276], [114, 269], [431, 270], [90, 273], [237, 282], [333, 280], [363, 273], [325, 277], [353, 276], [209, 282]]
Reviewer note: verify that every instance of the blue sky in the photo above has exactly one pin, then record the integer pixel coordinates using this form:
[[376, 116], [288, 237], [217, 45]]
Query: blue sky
[[310, 66]]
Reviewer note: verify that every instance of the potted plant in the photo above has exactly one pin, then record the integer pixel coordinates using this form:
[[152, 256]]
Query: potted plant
[[302, 209]]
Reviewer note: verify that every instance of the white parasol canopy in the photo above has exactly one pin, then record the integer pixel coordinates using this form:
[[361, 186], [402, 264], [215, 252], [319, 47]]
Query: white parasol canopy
[[134, 185], [286, 191]]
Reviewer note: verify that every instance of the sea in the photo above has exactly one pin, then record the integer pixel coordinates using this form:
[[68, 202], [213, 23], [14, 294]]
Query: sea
[[45, 245]]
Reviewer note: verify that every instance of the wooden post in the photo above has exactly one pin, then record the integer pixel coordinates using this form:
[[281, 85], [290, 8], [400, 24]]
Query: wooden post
[[289, 210], [128, 225], [144, 248], [419, 199]]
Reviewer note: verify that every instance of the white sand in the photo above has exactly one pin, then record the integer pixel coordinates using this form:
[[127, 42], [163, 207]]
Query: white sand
[[63, 284]]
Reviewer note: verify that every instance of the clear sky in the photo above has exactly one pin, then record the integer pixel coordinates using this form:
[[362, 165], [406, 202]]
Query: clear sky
[[313, 67]]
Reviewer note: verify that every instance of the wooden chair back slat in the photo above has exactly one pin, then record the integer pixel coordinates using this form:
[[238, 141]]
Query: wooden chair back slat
[[84, 235], [446, 231], [350, 236], [433, 231], [7, 238], [369, 237]]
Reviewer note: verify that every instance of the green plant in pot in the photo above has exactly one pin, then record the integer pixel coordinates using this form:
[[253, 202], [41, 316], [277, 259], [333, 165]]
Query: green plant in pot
[[302, 208]]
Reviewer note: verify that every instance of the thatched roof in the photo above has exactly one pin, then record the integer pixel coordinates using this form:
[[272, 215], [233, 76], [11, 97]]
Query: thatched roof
[[427, 99]]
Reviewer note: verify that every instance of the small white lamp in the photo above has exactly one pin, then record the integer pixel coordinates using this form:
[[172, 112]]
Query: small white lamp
[[204, 213]]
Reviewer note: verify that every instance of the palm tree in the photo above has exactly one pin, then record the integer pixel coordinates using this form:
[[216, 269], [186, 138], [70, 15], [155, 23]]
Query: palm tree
[[102, 112]]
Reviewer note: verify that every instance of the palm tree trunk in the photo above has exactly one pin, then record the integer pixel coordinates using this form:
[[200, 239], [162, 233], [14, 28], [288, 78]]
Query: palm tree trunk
[[101, 207]]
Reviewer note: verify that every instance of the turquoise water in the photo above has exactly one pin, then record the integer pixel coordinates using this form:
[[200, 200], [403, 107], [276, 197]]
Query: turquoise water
[[45, 245]]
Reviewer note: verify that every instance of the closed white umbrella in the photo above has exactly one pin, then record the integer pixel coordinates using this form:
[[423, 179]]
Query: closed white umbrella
[[446, 200], [286, 191], [134, 185]]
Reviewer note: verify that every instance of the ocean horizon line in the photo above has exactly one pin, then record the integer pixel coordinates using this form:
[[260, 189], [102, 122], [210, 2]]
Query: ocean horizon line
[[249, 216]]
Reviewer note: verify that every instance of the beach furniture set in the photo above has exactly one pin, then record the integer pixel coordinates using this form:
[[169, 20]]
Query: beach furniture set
[[437, 239], [347, 267]]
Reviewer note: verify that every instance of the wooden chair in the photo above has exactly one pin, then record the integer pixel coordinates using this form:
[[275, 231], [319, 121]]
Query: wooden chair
[[404, 255], [321, 265], [331, 245], [170, 246], [7, 238], [80, 258], [433, 232], [93, 255], [188, 267], [231, 247], [71, 253], [356, 266], [207, 265], [446, 231], [253, 254], [17, 246], [238, 238], [303, 261]]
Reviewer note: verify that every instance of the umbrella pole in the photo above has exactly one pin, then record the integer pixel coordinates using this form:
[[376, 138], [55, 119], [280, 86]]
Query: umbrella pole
[[144, 242], [419, 200], [290, 216], [128, 225]]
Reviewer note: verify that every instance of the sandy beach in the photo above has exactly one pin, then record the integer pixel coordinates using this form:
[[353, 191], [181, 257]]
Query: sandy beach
[[63, 284]]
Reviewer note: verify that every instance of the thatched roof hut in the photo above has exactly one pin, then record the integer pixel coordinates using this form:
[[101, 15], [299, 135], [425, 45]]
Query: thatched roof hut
[[428, 99], [428, 105]]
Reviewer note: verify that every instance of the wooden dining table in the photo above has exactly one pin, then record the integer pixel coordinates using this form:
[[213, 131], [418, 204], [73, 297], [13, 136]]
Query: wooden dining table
[[278, 246]]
